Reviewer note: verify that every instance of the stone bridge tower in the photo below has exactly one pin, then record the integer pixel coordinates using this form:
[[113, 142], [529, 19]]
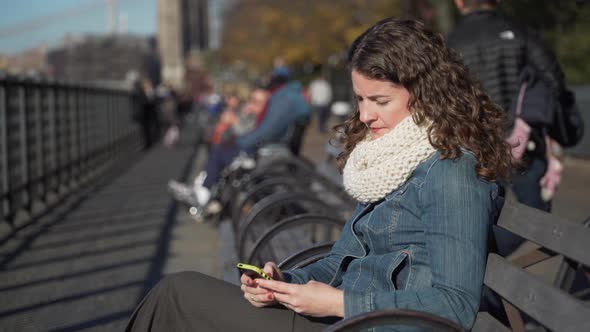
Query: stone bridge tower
[[183, 27]]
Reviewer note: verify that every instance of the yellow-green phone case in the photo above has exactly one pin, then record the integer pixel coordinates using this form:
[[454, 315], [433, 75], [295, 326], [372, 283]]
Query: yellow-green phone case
[[253, 268]]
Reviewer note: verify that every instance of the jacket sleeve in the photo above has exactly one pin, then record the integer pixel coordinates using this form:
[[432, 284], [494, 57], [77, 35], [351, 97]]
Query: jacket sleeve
[[326, 269], [322, 270], [457, 210]]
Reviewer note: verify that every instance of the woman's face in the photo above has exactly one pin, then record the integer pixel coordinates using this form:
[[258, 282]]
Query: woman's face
[[233, 102], [382, 104], [258, 100]]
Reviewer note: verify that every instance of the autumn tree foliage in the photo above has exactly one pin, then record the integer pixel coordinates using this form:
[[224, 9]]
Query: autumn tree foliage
[[319, 31], [300, 31]]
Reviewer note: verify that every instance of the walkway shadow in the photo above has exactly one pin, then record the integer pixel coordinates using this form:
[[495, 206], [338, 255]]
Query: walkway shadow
[[88, 264]]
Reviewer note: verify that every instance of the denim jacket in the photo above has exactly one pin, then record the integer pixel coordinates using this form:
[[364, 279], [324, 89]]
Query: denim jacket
[[423, 247]]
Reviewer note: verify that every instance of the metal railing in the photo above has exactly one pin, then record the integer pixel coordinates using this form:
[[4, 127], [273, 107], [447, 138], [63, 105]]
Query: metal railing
[[56, 136]]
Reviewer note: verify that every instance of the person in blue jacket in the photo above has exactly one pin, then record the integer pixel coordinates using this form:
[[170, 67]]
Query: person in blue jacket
[[422, 155], [285, 109]]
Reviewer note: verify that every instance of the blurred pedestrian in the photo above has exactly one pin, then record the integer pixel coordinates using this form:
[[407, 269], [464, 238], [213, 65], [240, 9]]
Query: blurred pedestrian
[[320, 92], [342, 110], [241, 121], [512, 61], [168, 113], [227, 118], [145, 113], [522, 75]]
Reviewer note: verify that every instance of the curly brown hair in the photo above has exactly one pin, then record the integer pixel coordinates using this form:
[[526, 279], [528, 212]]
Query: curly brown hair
[[442, 93]]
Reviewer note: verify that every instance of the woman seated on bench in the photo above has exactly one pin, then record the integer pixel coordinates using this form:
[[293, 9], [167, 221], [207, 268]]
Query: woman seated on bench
[[423, 153]]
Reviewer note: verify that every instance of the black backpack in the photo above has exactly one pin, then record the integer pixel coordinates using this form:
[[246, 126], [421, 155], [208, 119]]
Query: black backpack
[[568, 124], [542, 110]]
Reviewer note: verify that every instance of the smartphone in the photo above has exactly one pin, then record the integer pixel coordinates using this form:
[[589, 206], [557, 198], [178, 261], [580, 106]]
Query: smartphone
[[251, 268]]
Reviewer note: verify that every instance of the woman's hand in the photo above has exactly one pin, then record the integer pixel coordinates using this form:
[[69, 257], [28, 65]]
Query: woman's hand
[[272, 270], [257, 296], [312, 299]]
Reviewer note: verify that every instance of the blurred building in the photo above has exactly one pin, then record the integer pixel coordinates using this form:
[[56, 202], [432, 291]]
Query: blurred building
[[183, 29], [30, 62], [99, 58], [196, 25]]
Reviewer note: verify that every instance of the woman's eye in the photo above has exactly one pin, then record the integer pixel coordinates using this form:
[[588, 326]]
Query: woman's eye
[[382, 103]]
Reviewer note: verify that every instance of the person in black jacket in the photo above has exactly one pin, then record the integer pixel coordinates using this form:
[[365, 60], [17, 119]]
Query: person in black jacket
[[498, 51], [145, 113]]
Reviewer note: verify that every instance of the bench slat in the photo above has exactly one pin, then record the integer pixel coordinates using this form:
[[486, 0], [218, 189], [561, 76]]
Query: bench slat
[[484, 322], [550, 306], [547, 230]]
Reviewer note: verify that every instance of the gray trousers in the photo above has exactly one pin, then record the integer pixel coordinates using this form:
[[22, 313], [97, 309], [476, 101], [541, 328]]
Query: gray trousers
[[191, 301]]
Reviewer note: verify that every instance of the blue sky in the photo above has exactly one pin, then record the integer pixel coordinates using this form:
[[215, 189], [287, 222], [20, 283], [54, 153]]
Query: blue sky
[[48, 21]]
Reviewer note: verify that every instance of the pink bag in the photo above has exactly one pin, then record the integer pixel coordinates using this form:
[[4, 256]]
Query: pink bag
[[519, 138], [552, 178], [521, 132]]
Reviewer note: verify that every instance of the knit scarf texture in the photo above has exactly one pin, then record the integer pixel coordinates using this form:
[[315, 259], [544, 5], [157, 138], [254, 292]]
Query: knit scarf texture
[[377, 167]]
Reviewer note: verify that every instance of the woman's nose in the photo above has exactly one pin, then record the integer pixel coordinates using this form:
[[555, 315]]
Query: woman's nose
[[366, 115]]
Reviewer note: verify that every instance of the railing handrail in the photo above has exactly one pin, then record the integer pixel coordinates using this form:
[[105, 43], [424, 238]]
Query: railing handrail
[[57, 135], [114, 86]]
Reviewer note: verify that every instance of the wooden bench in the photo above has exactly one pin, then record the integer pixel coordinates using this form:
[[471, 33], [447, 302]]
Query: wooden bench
[[554, 305], [549, 300], [523, 296]]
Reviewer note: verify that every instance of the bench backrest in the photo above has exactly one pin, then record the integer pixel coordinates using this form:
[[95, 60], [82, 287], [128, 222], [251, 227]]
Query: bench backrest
[[296, 133], [551, 305]]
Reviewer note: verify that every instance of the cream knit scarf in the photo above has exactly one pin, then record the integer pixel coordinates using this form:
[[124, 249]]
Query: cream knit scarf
[[376, 168]]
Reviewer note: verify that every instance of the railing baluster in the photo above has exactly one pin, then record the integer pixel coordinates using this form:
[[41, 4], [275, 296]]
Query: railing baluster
[[24, 146], [119, 143], [58, 132], [39, 187], [4, 151], [104, 133], [62, 141], [111, 131], [94, 139], [90, 139], [74, 156], [67, 138], [51, 101], [116, 101], [82, 104], [111, 120], [79, 103]]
